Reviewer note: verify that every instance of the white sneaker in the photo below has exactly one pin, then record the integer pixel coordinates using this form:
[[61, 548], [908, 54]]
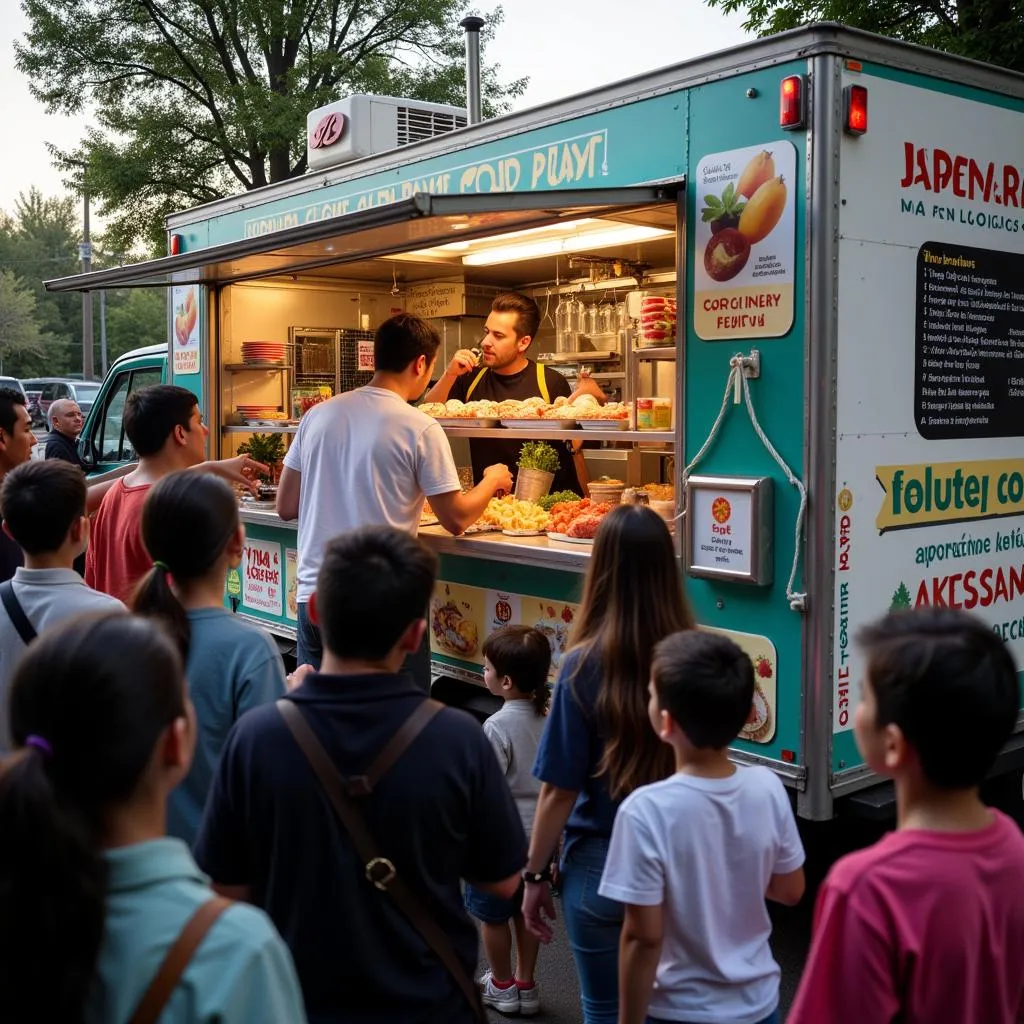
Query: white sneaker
[[504, 1000], [529, 1000]]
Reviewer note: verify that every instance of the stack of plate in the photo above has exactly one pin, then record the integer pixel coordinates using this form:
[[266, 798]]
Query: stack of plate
[[272, 352], [258, 412]]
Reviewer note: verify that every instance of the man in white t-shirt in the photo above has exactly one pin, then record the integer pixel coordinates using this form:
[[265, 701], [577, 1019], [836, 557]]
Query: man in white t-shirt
[[695, 857], [368, 457]]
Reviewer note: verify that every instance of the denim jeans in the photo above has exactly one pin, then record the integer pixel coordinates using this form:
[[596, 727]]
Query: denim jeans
[[772, 1018], [310, 650], [593, 923]]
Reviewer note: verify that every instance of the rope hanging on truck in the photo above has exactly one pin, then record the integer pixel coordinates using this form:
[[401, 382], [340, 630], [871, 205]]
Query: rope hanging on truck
[[737, 383]]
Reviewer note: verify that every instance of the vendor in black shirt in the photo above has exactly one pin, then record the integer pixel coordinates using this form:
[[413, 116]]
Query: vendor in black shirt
[[506, 373], [66, 422]]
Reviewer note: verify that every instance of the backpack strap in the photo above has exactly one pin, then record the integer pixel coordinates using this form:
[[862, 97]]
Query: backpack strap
[[178, 957], [476, 380], [19, 620], [379, 870]]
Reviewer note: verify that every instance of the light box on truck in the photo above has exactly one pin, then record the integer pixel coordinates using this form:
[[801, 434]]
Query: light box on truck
[[729, 528]]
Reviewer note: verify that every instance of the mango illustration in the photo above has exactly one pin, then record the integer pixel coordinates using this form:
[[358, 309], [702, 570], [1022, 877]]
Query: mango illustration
[[755, 174], [763, 210]]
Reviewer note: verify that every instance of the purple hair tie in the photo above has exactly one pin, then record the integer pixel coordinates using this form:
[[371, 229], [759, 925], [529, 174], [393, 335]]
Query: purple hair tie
[[40, 744]]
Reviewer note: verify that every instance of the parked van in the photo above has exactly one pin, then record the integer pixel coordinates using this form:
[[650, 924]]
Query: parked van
[[102, 444]]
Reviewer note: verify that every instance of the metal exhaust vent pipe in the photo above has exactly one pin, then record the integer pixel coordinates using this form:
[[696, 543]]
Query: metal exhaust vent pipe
[[472, 25]]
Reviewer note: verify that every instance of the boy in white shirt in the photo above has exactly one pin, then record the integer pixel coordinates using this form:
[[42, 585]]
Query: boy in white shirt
[[694, 857]]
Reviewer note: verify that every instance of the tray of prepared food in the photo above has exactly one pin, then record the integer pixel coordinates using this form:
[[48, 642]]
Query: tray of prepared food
[[578, 520], [509, 513], [563, 538], [618, 424], [523, 533], [539, 423], [466, 421]]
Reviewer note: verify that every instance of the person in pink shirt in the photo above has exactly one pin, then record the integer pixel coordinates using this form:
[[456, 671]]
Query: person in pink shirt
[[927, 926]]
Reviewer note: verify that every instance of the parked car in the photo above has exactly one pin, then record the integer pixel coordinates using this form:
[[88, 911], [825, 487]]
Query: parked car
[[50, 389], [102, 443]]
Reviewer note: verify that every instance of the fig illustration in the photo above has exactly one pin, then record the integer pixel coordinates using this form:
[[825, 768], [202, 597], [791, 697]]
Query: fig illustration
[[755, 174], [763, 210], [726, 254]]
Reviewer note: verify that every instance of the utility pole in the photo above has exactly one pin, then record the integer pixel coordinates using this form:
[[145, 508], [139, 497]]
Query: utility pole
[[85, 255], [103, 333]]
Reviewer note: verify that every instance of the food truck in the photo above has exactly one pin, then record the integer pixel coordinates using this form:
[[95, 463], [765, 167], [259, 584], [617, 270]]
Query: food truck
[[832, 223]]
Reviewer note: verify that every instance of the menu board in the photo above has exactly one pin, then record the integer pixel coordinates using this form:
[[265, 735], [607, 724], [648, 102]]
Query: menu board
[[969, 353]]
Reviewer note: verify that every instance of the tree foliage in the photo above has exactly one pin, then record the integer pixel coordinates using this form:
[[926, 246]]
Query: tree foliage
[[39, 241], [197, 99], [986, 30]]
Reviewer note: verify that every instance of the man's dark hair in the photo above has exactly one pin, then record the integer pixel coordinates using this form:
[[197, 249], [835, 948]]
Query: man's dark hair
[[151, 414], [524, 655], [527, 311], [401, 340], [948, 681], [39, 501], [706, 683], [9, 398], [374, 582]]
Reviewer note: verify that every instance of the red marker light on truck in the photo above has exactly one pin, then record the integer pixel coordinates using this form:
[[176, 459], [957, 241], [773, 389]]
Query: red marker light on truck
[[175, 245], [856, 109], [791, 102]]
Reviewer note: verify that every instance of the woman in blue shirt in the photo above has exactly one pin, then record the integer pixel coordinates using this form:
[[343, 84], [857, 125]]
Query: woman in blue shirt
[[92, 893], [598, 744], [190, 527]]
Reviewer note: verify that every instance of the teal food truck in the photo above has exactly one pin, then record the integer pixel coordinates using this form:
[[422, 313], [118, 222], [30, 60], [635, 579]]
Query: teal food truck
[[838, 219]]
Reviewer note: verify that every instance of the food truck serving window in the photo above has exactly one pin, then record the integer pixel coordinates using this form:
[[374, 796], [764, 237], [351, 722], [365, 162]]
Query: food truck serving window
[[417, 223]]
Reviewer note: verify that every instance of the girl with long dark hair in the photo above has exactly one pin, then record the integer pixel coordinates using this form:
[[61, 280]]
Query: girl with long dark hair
[[598, 745], [92, 893], [191, 529]]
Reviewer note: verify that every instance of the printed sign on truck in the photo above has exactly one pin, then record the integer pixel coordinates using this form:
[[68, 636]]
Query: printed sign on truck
[[745, 243], [929, 504]]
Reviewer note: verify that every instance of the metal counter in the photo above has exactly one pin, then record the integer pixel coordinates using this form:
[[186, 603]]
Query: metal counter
[[533, 551]]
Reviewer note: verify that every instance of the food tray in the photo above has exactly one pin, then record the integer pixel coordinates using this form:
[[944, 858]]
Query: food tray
[[479, 528], [523, 533], [429, 521], [267, 423], [605, 424], [539, 422], [564, 539], [456, 421]]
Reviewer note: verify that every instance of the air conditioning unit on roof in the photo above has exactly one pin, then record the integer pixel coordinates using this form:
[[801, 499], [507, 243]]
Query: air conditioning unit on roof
[[361, 125]]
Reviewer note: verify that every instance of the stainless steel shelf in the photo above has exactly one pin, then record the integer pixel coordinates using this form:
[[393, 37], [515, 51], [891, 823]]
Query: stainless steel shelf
[[664, 352], [543, 434], [259, 430]]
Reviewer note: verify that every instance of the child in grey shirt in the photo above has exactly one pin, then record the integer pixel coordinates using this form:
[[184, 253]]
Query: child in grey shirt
[[517, 660]]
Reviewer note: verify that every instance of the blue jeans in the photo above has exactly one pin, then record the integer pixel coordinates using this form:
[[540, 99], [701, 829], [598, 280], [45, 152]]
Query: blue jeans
[[310, 650], [593, 923], [772, 1018]]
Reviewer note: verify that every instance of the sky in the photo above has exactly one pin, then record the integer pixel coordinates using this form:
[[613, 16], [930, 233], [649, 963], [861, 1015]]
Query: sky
[[561, 51]]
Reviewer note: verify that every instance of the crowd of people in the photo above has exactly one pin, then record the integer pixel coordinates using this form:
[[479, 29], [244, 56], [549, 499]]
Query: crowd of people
[[187, 834]]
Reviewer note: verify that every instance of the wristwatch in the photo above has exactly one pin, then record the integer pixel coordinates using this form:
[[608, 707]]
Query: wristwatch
[[536, 877]]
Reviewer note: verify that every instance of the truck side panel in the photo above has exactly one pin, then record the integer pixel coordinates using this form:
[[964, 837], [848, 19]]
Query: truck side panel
[[929, 508]]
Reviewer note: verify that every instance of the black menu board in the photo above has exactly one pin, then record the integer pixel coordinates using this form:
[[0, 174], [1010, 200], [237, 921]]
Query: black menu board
[[969, 352]]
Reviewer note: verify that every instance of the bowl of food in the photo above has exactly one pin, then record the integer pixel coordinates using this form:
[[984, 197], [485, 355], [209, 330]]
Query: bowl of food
[[607, 490]]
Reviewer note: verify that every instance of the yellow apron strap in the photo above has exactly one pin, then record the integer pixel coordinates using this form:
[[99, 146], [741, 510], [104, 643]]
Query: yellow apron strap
[[476, 380], [542, 383]]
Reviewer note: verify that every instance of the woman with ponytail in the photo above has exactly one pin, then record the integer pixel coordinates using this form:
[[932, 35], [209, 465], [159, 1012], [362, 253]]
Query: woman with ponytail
[[92, 893], [598, 744], [191, 529]]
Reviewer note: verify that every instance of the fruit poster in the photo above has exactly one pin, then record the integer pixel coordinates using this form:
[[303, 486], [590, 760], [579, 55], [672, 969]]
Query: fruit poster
[[761, 722], [185, 324], [745, 242]]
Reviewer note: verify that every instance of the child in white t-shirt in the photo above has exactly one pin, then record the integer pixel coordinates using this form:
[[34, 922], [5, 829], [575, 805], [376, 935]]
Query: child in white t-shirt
[[517, 660], [694, 857]]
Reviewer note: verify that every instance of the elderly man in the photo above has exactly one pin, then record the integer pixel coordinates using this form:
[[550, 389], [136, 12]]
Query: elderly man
[[66, 421]]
